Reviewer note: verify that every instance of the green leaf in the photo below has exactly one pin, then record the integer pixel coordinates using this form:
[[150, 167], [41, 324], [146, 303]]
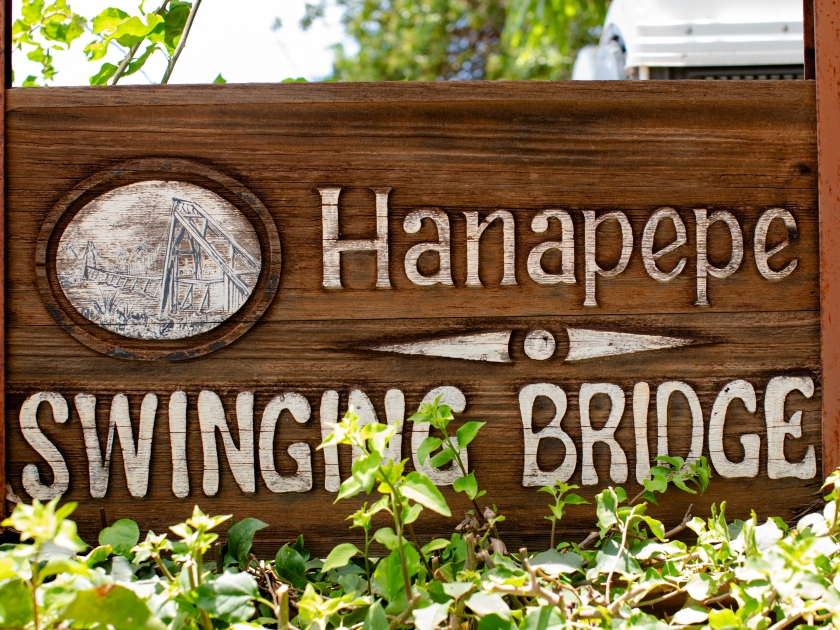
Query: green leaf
[[456, 590], [229, 596], [543, 618], [701, 586], [495, 622], [122, 536], [430, 617], [97, 50], [444, 457], [298, 546], [63, 565], [420, 489], [140, 61], [606, 506], [291, 566], [219, 79], [340, 556], [111, 605], [607, 559], [105, 72], [467, 433], [693, 615], [554, 563], [435, 545], [428, 445], [32, 11], [386, 537], [241, 539], [724, 619], [468, 485], [100, 554], [657, 483], [574, 499], [388, 578], [108, 20], [375, 618], [15, 604], [656, 527], [483, 604]]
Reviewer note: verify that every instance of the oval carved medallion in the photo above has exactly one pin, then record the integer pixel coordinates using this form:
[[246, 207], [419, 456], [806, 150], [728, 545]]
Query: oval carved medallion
[[158, 259]]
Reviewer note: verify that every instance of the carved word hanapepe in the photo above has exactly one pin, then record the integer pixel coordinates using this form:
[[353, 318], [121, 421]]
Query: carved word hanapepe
[[333, 246], [245, 459]]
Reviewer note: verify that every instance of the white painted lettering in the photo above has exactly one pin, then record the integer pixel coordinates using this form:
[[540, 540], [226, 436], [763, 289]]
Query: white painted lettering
[[663, 396], [649, 257], [178, 443], [566, 247], [333, 245], [532, 475], [329, 417], [42, 445], [591, 268], [641, 404], [135, 459], [211, 416], [412, 224], [748, 467], [704, 267], [778, 466], [300, 410], [606, 434], [762, 256], [474, 232]]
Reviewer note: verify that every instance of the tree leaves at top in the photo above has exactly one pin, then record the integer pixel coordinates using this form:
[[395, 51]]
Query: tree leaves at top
[[43, 28], [427, 40]]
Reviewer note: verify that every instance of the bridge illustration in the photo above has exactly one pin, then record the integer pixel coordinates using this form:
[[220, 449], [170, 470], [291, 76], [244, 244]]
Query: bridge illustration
[[183, 285]]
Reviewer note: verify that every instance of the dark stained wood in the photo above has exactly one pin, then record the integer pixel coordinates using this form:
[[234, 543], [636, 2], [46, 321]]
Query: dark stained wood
[[5, 34], [808, 39], [522, 147]]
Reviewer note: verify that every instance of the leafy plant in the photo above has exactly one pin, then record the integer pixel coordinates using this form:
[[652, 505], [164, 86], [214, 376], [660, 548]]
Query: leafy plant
[[558, 490], [44, 28], [629, 573], [402, 40]]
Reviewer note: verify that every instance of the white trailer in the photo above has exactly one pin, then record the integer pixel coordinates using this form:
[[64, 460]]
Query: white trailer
[[697, 39]]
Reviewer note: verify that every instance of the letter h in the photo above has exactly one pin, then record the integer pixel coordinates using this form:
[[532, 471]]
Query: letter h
[[333, 246]]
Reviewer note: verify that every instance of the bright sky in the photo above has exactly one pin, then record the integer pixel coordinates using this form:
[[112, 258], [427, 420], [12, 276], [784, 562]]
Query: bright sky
[[238, 43]]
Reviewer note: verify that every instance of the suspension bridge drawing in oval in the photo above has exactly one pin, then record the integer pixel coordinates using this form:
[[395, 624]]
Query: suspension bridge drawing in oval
[[158, 260]]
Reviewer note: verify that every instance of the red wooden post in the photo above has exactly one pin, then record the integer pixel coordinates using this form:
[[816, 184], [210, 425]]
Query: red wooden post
[[827, 15]]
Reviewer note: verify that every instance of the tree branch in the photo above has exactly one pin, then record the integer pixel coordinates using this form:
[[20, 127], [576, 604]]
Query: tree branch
[[129, 56], [682, 525], [174, 59]]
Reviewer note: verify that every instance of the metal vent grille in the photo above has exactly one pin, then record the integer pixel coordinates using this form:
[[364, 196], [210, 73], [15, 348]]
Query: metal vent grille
[[732, 73]]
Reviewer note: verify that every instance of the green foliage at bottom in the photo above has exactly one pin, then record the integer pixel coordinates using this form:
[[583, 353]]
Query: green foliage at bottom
[[630, 573]]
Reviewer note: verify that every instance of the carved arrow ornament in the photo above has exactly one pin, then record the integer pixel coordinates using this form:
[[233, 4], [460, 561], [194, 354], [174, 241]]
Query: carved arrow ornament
[[539, 345]]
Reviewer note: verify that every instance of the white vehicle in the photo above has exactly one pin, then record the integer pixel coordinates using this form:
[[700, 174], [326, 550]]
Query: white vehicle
[[697, 39]]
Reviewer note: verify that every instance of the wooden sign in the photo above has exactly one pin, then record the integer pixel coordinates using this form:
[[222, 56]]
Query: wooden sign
[[201, 280]]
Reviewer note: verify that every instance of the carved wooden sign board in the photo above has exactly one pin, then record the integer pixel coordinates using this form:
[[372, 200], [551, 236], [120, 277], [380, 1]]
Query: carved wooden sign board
[[200, 281]]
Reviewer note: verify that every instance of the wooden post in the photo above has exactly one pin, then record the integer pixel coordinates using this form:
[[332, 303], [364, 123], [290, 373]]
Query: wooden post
[[6, 69], [827, 18], [808, 38]]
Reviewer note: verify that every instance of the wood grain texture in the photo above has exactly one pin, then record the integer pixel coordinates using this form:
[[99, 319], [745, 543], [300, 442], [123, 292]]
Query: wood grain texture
[[5, 74], [827, 38], [544, 160]]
